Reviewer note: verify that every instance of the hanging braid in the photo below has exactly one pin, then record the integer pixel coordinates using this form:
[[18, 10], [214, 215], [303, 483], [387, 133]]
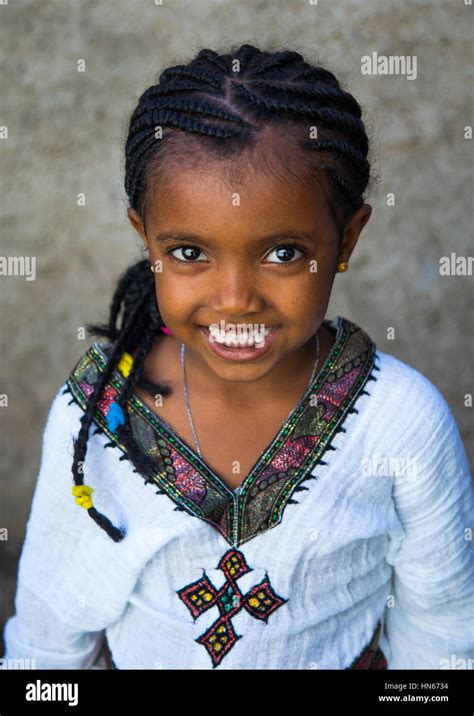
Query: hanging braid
[[141, 322], [224, 111]]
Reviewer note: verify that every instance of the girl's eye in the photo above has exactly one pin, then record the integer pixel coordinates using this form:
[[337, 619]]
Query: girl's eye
[[187, 258], [286, 250], [190, 253]]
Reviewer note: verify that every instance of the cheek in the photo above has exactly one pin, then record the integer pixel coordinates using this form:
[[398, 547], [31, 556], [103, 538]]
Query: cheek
[[168, 284], [165, 298], [306, 293], [174, 300], [304, 303]]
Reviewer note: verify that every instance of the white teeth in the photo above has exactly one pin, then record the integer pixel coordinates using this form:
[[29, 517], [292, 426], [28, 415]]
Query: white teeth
[[241, 339]]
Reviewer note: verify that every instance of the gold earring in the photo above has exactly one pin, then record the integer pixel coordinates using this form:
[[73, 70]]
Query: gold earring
[[152, 268], [342, 266]]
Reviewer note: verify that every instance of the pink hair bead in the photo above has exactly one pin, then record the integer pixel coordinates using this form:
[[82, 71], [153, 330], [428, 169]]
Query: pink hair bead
[[166, 330]]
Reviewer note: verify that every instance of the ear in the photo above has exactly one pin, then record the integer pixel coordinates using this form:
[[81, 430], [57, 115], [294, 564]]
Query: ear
[[137, 224], [352, 231]]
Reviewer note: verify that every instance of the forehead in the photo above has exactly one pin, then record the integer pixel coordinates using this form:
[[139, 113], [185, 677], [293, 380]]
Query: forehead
[[267, 182]]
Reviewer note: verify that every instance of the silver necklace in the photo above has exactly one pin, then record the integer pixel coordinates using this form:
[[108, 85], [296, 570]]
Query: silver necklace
[[186, 397]]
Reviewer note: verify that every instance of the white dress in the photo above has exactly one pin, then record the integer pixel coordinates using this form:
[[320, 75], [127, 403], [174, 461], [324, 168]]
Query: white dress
[[360, 512]]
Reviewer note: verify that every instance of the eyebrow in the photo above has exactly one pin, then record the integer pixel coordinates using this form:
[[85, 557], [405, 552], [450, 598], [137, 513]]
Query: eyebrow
[[179, 236]]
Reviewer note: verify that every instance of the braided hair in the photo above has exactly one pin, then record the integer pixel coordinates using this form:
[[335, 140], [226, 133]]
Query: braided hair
[[218, 104]]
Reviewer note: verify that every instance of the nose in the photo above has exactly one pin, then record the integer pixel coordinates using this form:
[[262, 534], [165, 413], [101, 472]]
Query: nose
[[234, 292]]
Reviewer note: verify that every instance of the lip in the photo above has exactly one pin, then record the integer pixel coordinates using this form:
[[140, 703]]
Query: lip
[[239, 355]]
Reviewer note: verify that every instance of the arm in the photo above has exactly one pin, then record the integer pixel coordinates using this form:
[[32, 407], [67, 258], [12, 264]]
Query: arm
[[430, 624], [42, 629]]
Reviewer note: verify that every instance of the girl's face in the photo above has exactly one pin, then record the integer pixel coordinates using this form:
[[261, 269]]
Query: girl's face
[[263, 252]]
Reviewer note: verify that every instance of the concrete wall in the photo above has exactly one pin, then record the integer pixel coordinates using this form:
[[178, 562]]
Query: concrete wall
[[66, 132]]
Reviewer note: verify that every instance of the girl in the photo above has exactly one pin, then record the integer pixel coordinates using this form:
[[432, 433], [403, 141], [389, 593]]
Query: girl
[[267, 489]]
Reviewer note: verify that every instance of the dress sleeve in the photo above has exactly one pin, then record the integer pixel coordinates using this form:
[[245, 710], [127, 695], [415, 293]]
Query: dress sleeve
[[429, 617], [41, 631]]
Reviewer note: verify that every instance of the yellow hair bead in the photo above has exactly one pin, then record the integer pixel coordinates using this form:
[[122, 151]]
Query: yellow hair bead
[[82, 494], [125, 364]]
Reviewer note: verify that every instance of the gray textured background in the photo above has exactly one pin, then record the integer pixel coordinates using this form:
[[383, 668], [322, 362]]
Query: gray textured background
[[66, 134]]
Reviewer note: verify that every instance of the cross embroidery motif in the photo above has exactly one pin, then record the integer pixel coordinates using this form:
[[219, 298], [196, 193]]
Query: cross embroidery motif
[[260, 601]]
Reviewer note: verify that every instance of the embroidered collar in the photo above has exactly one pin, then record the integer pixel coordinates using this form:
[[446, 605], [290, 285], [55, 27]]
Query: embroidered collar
[[288, 460]]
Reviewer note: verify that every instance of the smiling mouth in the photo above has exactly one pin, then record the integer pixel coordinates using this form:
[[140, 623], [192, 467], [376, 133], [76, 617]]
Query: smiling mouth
[[230, 340]]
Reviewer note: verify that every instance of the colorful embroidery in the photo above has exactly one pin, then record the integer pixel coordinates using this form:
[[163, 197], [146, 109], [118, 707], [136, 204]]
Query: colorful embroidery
[[260, 602], [282, 468]]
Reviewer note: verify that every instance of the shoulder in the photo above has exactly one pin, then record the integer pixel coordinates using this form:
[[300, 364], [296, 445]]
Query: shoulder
[[91, 361], [86, 371], [408, 409], [414, 420], [402, 398], [402, 382], [71, 398], [396, 380]]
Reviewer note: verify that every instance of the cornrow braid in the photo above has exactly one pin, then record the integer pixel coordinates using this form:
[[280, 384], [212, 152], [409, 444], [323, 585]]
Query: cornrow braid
[[225, 111], [276, 62], [332, 95], [351, 125]]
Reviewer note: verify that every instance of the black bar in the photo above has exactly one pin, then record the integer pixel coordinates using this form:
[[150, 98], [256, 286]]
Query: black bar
[[153, 690]]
